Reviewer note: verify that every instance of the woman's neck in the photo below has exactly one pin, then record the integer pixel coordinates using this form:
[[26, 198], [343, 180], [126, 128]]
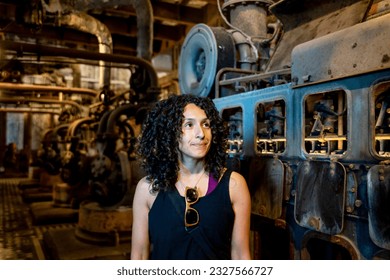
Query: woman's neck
[[191, 168], [192, 176]]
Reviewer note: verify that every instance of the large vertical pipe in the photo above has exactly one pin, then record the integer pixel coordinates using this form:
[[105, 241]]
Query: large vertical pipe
[[72, 18], [249, 16], [143, 10], [249, 21], [83, 22], [86, 23]]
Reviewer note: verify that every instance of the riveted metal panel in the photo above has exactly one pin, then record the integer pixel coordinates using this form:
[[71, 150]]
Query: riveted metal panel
[[305, 20], [320, 196], [378, 193], [266, 181], [358, 49]]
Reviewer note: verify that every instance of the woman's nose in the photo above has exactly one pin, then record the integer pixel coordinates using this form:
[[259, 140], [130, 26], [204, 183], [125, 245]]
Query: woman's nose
[[199, 132]]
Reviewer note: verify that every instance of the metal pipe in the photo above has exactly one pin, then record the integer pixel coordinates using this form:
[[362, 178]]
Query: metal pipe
[[39, 100], [103, 123], [248, 20], [143, 10], [248, 55], [72, 18], [57, 129], [249, 16], [73, 53], [77, 123], [27, 87], [340, 124], [89, 24], [130, 110], [251, 77], [29, 110]]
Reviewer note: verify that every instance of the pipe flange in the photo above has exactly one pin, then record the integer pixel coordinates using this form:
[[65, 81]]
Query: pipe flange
[[234, 3]]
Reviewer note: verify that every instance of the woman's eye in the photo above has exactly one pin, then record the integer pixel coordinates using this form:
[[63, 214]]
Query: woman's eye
[[206, 124]]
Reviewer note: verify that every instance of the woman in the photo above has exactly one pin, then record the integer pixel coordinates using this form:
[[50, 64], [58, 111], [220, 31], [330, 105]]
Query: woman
[[188, 206]]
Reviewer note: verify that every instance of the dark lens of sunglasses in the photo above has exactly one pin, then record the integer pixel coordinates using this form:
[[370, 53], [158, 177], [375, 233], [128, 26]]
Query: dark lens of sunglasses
[[191, 195], [191, 216]]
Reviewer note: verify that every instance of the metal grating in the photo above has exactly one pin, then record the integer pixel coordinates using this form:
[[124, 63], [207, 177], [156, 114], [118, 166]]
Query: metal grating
[[19, 238]]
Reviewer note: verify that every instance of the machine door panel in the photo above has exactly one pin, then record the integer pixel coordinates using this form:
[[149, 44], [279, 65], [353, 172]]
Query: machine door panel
[[320, 196], [378, 192], [266, 182]]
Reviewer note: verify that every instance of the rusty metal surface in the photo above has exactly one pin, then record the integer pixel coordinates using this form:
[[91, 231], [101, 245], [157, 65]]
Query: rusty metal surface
[[336, 240], [94, 218], [306, 20], [320, 196], [359, 49], [378, 191], [266, 181]]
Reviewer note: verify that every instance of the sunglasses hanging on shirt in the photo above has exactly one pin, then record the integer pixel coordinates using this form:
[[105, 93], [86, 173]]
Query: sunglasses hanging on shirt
[[191, 215]]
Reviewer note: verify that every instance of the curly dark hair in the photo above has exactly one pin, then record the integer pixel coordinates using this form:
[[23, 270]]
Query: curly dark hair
[[159, 140]]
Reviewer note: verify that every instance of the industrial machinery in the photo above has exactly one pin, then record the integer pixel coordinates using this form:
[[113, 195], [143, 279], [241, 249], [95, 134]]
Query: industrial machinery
[[304, 87], [88, 145]]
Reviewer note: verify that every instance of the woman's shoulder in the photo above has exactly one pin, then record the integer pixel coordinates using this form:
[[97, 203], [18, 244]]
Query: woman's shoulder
[[145, 191], [233, 174], [236, 175], [238, 188], [237, 180], [144, 182]]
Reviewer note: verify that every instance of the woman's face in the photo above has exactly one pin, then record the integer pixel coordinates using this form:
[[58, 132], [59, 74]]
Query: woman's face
[[196, 133]]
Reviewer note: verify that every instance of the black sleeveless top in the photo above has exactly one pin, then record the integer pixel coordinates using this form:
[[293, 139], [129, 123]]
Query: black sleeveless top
[[210, 239]]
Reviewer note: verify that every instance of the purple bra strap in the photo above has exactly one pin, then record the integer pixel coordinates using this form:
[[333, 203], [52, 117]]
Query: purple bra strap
[[212, 184]]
